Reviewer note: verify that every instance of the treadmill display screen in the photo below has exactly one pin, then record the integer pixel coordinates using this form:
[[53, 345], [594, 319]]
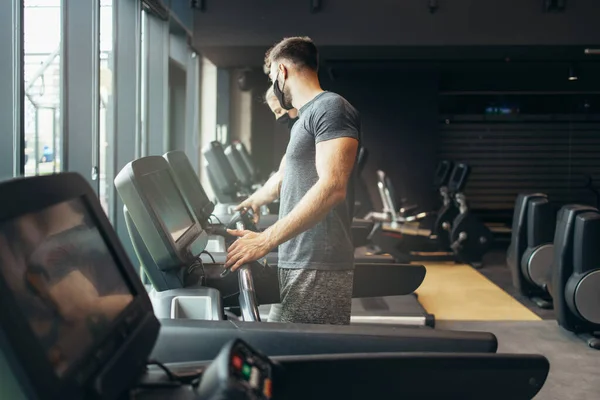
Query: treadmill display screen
[[64, 279], [162, 192]]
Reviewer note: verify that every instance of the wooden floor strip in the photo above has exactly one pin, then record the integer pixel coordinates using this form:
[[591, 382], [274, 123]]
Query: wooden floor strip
[[459, 292]]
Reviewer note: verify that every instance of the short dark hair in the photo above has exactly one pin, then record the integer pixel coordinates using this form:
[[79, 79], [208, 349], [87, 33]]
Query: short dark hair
[[300, 50]]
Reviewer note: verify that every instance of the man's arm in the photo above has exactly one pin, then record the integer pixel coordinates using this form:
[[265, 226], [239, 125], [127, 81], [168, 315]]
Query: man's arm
[[268, 193], [334, 161]]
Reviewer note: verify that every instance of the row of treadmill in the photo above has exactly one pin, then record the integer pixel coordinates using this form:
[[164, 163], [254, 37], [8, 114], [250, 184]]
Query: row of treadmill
[[184, 339], [554, 259]]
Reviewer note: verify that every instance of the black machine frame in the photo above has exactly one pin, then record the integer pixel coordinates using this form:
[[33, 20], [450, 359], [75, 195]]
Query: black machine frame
[[189, 183], [150, 225], [112, 364]]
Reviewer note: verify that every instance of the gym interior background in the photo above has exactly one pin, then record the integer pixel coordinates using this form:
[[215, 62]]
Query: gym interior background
[[510, 87]]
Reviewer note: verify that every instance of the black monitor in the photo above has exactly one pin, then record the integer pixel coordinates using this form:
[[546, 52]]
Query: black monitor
[[243, 174], [459, 177], [221, 175], [443, 172], [161, 214], [190, 185], [241, 148], [76, 321]]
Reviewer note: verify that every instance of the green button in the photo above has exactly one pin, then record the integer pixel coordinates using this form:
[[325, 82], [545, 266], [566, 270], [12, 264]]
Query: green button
[[246, 371]]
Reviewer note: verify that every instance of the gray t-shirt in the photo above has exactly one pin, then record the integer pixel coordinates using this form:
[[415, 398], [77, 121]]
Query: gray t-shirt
[[328, 245]]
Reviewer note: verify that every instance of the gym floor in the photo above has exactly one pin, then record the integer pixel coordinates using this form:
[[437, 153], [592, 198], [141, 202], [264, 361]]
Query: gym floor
[[462, 298]]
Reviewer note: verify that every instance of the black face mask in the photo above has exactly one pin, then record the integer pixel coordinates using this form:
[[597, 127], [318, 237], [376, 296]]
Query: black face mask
[[280, 95], [285, 119]]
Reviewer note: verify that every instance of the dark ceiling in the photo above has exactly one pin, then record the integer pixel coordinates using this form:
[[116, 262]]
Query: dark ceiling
[[367, 56]]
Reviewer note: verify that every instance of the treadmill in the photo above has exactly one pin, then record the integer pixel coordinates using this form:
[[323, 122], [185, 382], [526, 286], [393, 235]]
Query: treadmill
[[368, 307], [150, 209], [120, 355], [129, 353], [226, 185]]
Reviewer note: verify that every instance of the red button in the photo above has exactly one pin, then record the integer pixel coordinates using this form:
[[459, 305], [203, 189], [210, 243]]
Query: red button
[[237, 362]]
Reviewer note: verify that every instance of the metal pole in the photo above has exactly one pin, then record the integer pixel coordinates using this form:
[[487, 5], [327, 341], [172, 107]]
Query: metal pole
[[54, 139], [36, 157]]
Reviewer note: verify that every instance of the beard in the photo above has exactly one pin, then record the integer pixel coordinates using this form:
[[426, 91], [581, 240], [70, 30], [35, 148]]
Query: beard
[[283, 95], [287, 98]]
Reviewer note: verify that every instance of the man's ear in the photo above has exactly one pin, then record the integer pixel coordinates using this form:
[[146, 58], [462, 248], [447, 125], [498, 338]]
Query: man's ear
[[283, 71]]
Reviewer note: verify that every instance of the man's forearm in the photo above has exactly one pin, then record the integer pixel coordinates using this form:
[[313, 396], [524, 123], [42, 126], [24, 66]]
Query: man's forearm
[[313, 207], [269, 192]]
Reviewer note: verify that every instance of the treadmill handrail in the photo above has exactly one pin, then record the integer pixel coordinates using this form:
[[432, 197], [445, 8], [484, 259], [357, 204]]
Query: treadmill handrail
[[179, 339]]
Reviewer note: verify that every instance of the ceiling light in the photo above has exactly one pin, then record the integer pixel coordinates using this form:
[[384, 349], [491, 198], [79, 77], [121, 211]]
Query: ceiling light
[[572, 75]]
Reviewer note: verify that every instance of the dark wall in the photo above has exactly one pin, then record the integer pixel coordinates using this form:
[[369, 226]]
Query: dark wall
[[260, 23], [399, 114]]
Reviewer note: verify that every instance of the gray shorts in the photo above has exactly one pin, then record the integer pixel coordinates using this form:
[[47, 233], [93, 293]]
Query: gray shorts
[[310, 296]]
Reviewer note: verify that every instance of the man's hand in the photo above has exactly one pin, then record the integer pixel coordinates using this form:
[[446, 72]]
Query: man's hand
[[250, 203], [250, 246]]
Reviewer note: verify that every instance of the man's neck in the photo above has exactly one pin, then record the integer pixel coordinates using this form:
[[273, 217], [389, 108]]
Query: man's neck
[[304, 91]]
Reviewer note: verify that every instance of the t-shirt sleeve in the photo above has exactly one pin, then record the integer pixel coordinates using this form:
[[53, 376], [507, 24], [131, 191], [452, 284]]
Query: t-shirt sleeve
[[335, 119]]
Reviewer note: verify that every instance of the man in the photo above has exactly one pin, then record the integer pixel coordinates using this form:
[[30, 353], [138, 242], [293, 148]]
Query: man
[[284, 117], [315, 184]]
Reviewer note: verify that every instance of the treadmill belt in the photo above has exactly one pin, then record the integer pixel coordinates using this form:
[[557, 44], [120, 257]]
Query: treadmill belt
[[390, 310]]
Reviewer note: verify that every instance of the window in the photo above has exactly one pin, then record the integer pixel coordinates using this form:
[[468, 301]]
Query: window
[[42, 74], [106, 127]]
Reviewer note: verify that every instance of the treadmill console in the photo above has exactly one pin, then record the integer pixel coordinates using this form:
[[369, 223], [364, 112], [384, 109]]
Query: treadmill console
[[76, 321], [238, 372]]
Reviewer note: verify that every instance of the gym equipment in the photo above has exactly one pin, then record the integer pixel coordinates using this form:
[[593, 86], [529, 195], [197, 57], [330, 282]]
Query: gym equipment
[[470, 237], [575, 283], [182, 268], [467, 236], [453, 185], [530, 274], [221, 175], [244, 174], [239, 371], [111, 360], [89, 353], [391, 212], [537, 258], [443, 173], [227, 187], [518, 244], [362, 203]]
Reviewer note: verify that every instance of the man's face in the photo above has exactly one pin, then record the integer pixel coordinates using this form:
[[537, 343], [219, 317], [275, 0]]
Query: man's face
[[276, 107]]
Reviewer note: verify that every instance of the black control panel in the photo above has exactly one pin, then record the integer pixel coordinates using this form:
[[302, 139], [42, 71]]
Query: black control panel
[[251, 372], [238, 372]]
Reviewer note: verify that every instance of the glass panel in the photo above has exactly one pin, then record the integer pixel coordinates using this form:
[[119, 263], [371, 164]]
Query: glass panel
[[106, 109], [42, 76], [177, 105]]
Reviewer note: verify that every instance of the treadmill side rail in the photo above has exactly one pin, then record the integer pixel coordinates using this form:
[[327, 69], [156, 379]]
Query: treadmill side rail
[[413, 376], [193, 340]]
